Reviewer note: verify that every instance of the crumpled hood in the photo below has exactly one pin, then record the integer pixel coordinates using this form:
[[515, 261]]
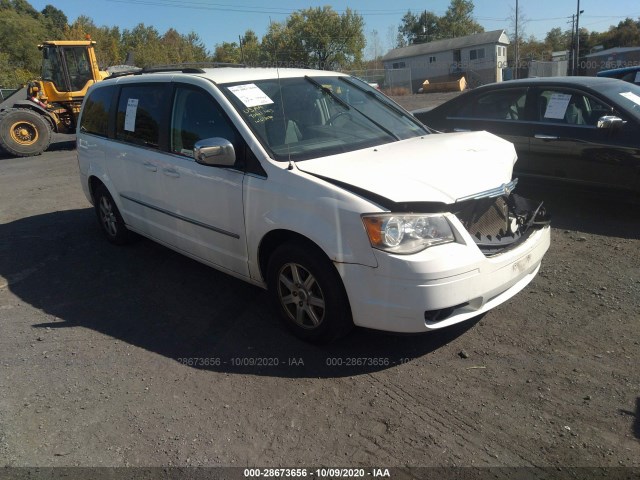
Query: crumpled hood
[[432, 168]]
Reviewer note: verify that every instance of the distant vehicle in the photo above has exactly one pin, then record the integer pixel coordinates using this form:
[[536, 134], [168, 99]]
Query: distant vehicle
[[577, 129], [628, 74], [6, 93], [30, 116]]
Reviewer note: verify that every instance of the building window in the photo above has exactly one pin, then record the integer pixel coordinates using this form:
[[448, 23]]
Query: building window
[[432, 59], [476, 54], [399, 65]]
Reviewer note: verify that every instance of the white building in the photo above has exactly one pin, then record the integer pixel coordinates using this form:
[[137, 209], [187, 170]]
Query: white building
[[480, 57]]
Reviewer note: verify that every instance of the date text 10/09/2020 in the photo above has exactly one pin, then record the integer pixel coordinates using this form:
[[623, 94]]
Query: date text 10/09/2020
[[289, 361], [316, 472]]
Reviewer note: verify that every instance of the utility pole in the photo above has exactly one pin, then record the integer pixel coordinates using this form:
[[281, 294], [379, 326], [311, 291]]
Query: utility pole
[[517, 60], [241, 51], [573, 45], [578, 38]]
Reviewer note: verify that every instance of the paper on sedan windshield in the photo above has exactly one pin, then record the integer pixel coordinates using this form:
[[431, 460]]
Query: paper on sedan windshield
[[250, 95], [632, 96]]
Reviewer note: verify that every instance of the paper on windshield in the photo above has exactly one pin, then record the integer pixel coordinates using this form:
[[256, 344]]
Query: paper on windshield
[[557, 106], [250, 95], [637, 80], [631, 96], [130, 115]]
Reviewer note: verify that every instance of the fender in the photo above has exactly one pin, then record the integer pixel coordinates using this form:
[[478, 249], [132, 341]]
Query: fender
[[29, 105]]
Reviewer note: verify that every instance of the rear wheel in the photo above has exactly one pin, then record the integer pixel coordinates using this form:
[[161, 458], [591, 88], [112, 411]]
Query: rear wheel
[[23, 132], [109, 217], [308, 293]]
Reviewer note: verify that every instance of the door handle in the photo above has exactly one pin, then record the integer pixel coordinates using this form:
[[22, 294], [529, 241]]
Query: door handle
[[170, 172], [150, 166], [540, 136]]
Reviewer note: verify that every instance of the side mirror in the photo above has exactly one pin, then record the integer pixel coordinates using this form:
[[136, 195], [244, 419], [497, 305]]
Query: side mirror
[[610, 122], [216, 151]]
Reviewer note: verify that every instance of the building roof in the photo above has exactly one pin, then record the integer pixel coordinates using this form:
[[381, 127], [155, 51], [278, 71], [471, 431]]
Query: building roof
[[613, 51], [495, 36]]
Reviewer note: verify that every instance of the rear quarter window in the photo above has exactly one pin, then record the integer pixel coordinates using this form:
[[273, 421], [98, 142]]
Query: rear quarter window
[[95, 115]]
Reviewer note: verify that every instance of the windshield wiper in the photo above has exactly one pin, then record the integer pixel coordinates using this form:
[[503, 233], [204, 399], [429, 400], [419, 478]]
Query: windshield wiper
[[328, 92], [384, 100]]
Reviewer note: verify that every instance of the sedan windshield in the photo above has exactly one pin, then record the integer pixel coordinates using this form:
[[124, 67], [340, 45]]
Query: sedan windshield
[[309, 117], [626, 95]]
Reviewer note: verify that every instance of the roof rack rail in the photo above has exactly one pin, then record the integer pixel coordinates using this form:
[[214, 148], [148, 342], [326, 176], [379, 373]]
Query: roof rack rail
[[190, 67], [180, 67]]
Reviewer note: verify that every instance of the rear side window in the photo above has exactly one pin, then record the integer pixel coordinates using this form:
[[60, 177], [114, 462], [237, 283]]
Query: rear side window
[[140, 113], [95, 116], [505, 104]]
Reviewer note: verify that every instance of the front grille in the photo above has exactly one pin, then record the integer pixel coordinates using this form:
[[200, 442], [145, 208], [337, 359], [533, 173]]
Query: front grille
[[486, 219]]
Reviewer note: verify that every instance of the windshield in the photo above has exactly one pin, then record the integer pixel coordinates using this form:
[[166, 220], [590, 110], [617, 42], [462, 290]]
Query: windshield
[[308, 117], [625, 94], [52, 68]]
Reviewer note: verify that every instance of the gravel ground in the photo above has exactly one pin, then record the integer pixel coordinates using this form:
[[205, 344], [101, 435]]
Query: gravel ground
[[138, 356]]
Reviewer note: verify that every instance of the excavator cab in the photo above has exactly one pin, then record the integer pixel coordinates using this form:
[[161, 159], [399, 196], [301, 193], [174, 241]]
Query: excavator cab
[[69, 68]]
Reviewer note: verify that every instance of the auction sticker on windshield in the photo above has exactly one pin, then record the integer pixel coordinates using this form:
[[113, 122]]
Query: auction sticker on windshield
[[250, 95]]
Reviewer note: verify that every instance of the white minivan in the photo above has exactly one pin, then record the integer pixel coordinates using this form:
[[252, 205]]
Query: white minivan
[[316, 186]]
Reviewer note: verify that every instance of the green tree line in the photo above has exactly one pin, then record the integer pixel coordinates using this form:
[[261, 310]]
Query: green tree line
[[313, 37], [625, 34]]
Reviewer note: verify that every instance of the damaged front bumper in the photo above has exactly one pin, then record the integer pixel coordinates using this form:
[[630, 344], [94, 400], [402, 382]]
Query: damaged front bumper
[[502, 241]]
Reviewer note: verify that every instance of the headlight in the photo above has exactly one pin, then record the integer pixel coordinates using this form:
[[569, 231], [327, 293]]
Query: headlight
[[404, 234]]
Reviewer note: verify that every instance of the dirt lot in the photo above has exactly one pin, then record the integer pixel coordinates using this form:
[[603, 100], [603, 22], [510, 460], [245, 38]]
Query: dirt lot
[[138, 356]]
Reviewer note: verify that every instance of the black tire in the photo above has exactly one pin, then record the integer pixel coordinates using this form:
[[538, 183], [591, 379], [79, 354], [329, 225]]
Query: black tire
[[24, 133], [109, 218], [307, 291]]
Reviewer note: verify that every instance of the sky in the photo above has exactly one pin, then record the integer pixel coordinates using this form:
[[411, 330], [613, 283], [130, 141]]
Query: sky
[[220, 21]]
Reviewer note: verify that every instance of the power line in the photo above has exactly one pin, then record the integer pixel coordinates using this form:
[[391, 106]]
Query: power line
[[242, 9]]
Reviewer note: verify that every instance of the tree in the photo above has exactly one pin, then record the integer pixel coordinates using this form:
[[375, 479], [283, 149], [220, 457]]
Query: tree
[[277, 44], [21, 30], [56, 19], [458, 20], [23, 7], [427, 27], [227, 52], [322, 38], [557, 40], [251, 53], [183, 48], [144, 43], [626, 34], [108, 39]]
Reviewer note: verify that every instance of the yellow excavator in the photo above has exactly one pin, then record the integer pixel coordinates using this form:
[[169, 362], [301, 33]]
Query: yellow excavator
[[29, 116]]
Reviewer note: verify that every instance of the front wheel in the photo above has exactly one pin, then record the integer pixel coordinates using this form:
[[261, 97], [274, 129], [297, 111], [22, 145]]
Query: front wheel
[[308, 293], [24, 133]]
